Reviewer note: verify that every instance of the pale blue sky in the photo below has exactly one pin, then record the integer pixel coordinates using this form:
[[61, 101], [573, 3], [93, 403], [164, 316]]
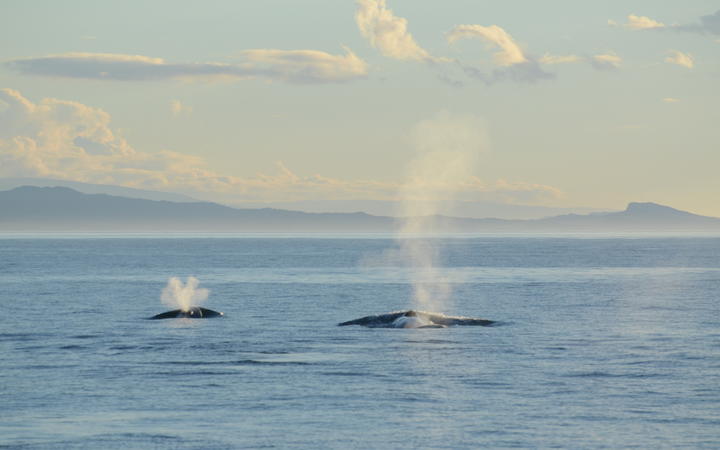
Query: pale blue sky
[[645, 130]]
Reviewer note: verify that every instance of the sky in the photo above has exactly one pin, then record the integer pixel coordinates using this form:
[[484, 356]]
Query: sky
[[561, 103]]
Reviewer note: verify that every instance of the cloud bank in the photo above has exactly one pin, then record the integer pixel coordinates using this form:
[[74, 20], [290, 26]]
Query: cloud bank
[[70, 141], [293, 66]]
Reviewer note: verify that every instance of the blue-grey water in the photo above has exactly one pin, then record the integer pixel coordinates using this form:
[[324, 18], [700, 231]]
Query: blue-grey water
[[602, 342]]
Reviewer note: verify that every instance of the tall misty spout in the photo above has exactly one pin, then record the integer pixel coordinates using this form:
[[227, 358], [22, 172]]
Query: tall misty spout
[[447, 148]]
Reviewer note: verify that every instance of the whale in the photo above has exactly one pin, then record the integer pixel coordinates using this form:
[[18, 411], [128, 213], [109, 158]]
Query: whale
[[194, 312], [415, 319]]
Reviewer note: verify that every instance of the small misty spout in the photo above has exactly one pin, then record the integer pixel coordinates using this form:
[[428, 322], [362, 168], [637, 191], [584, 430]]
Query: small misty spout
[[185, 299], [183, 296]]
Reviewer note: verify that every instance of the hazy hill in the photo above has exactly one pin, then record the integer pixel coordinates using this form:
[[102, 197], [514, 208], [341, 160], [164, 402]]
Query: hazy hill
[[636, 217], [88, 188], [62, 209]]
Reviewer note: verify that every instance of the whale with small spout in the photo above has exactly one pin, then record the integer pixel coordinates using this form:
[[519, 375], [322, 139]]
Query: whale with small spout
[[194, 312]]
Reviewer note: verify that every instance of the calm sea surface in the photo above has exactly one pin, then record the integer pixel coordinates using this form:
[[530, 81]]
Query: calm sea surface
[[602, 342]]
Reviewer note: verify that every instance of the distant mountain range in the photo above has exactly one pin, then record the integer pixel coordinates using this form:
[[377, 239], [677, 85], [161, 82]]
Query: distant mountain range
[[474, 209], [88, 188], [31, 208]]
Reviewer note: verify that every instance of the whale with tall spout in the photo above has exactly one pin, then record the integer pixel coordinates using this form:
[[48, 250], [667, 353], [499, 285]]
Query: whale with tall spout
[[415, 319]]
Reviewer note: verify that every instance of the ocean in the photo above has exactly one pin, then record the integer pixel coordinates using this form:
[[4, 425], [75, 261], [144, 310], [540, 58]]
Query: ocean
[[600, 342]]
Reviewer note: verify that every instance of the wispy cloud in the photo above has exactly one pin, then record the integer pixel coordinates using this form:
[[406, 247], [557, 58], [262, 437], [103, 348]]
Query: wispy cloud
[[508, 51], [71, 141], [559, 59], [670, 100], [387, 32], [294, 66], [514, 64], [304, 66], [681, 59], [606, 61]]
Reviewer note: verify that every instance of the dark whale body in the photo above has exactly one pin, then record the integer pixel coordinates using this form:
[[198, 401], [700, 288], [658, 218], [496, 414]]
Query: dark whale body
[[430, 320], [194, 312]]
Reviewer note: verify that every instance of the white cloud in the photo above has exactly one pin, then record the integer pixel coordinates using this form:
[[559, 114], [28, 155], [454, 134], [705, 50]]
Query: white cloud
[[558, 59], [680, 58], [641, 23], [178, 108], [606, 61], [509, 51], [54, 123], [387, 32], [294, 66], [70, 141]]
